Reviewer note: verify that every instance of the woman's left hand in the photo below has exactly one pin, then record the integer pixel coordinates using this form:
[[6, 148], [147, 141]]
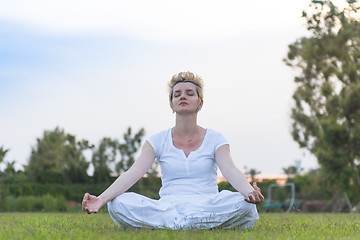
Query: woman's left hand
[[91, 204], [255, 196]]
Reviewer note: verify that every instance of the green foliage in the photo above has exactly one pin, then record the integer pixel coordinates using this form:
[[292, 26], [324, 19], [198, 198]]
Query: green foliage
[[58, 158], [102, 157], [262, 185], [128, 149], [293, 170], [121, 155], [73, 192], [225, 186], [3, 153], [10, 169], [17, 177], [146, 186], [326, 115], [46, 203], [314, 190]]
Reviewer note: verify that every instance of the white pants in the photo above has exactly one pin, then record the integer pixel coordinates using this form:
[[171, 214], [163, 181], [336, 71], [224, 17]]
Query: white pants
[[224, 210]]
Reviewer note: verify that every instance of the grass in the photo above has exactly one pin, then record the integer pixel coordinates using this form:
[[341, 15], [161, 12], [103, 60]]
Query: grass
[[100, 226]]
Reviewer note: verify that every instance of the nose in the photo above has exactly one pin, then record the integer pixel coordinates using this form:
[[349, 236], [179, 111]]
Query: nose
[[183, 96]]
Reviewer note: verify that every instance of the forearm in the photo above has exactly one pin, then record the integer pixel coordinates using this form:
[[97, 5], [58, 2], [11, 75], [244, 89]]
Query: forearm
[[120, 185], [237, 179], [130, 177], [232, 174]]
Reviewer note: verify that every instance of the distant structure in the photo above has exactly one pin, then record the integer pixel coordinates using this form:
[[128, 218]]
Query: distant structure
[[280, 179]]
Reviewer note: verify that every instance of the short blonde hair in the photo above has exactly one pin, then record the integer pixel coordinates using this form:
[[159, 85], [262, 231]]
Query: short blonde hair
[[186, 77]]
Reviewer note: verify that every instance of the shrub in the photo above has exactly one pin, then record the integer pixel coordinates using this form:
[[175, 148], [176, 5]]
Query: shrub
[[45, 203]]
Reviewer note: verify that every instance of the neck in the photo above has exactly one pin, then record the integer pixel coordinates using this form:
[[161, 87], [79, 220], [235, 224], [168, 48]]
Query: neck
[[186, 125]]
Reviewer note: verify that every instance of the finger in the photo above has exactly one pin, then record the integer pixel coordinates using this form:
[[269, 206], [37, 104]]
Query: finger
[[249, 200], [262, 197], [254, 198], [86, 196], [84, 202], [259, 196]]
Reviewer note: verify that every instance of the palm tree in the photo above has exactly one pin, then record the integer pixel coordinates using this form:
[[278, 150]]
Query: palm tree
[[10, 169], [252, 173], [3, 153]]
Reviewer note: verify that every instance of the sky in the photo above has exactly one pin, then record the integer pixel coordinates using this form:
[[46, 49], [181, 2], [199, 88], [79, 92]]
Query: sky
[[95, 68]]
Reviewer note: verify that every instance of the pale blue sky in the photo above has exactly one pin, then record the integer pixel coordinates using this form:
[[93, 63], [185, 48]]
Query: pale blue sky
[[96, 68]]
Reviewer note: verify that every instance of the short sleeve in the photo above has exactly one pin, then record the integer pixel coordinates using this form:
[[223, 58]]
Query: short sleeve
[[156, 141], [219, 141]]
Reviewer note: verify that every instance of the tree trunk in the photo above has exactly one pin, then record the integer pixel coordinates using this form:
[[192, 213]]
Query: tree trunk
[[357, 178]]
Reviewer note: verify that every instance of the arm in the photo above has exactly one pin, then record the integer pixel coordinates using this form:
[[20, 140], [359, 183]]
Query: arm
[[92, 204], [235, 177]]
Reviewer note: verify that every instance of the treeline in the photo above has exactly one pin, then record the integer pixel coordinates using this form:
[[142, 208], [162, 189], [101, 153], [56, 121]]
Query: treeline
[[57, 174], [58, 169], [58, 157]]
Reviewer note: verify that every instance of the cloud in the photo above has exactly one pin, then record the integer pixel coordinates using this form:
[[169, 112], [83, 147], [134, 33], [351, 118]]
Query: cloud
[[158, 20]]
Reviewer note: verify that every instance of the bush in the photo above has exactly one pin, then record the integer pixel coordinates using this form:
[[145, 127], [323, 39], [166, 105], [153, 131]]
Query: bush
[[225, 186], [73, 192], [46, 203]]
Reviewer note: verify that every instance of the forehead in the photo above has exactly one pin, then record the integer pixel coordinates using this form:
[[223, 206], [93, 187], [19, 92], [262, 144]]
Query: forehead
[[183, 86]]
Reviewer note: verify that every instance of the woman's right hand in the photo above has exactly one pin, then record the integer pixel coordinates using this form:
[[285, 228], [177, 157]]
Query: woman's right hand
[[255, 196], [91, 203]]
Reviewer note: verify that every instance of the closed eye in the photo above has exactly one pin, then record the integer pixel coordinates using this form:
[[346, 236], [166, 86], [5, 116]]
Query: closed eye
[[188, 92]]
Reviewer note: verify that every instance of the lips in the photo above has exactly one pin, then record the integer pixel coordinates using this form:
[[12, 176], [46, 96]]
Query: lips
[[183, 103]]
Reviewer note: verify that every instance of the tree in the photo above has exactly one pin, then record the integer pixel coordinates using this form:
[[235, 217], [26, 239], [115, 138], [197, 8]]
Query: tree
[[10, 168], [57, 158], [326, 115], [128, 149], [252, 173], [121, 155], [102, 157], [3, 153], [293, 170]]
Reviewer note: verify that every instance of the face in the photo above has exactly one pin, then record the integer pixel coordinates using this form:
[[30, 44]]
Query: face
[[185, 98]]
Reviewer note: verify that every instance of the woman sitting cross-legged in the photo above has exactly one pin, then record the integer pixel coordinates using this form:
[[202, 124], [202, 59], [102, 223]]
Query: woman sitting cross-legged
[[188, 155]]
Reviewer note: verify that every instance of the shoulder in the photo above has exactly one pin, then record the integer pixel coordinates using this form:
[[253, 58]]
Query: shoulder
[[214, 134], [158, 139], [160, 135], [216, 138]]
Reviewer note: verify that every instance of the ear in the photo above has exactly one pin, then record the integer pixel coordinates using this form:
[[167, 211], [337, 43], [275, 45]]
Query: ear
[[201, 104], [171, 105]]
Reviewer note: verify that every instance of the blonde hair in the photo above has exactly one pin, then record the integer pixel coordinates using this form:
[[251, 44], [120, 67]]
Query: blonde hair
[[186, 77]]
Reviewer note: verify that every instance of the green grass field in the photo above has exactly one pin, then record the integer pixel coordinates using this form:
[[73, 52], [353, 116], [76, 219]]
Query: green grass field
[[100, 226]]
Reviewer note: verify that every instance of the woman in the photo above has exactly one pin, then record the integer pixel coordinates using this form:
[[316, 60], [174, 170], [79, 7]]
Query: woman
[[188, 155]]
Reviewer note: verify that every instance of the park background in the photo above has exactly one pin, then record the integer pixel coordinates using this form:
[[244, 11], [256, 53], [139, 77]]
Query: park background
[[81, 70]]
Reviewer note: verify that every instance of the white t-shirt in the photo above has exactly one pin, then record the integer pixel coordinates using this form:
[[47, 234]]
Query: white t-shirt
[[181, 175]]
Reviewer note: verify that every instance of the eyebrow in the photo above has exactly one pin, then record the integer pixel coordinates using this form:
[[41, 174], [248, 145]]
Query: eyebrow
[[187, 90]]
